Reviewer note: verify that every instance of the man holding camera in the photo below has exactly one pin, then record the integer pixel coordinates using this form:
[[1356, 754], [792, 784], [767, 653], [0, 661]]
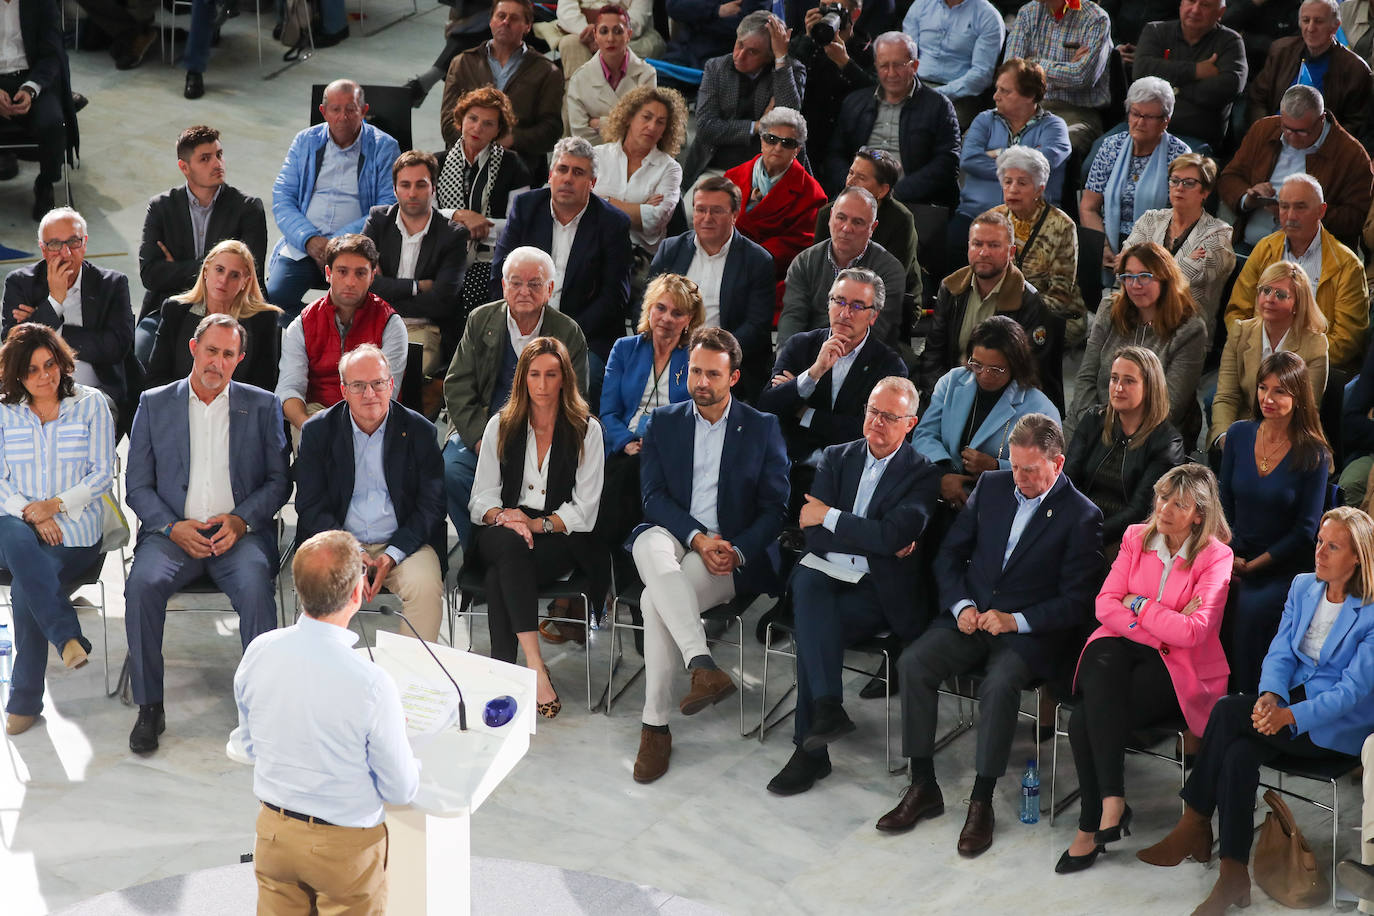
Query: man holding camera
[[835, 49]]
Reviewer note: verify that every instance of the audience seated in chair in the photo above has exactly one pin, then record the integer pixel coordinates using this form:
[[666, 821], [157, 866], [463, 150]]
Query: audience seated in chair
[[581, 25], [961, 45], [837, 68], [637, 169], [1316, 58], [208, 471], [878, 172], [703, 28], [375, 471], [33, 87], [707, 532], [595, 85], [1071, 39]]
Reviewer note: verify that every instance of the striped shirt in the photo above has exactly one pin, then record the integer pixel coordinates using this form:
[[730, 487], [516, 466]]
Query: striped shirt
[[71, 458], [1037, 35]]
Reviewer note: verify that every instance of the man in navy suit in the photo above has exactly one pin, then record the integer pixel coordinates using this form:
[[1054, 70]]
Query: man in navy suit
[[733, 274], [869, 503], [1017, 575], [207, 474], [590, 243], [707, 533]]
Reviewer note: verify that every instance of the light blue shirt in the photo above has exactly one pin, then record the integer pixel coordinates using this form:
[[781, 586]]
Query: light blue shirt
[[338, 750], [708, 442], [958, 45], [868, 482], [501, 74], [371, 518], [1025, 511], [1310, 260], [200, 217], [335, 201], [806, 386]]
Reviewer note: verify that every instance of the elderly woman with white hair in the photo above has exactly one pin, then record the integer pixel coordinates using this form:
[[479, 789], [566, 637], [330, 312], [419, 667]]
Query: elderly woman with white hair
[[781, 198], [1130, 173], [1046, 238]]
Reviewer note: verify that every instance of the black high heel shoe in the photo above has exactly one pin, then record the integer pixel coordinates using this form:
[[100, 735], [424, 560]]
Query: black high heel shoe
[[1068, 864], [1112, 834]]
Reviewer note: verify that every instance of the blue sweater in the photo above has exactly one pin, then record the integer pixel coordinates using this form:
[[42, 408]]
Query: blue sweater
[[1277, 513], [982, 191]]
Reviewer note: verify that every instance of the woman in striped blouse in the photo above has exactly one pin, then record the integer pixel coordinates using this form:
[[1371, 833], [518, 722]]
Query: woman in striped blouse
[[56, 461]]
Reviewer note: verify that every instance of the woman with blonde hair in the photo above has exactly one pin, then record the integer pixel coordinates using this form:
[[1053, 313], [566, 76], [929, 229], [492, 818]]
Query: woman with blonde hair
[[1287, 318], [536, 495], [227, 285], [1116, 456], [1157, 656], [636, 169]]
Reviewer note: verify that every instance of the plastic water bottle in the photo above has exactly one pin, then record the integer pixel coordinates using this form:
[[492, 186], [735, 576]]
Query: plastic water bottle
[[6, 653], [1030, 793]]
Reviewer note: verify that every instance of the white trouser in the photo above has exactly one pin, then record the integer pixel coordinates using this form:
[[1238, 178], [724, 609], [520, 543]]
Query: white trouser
[[1367, 814], [677, 588]]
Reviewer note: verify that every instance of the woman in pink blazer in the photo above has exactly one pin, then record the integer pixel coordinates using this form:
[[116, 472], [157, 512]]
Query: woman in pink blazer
[[1157, 655]]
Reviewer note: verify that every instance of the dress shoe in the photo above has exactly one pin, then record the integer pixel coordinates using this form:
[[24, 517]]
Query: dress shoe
[[152, 721], [74, 654], [652, 760], [829, 722], [132, 55], [876, 689], [417, 92], [1112, 834], [1191, 836], [9, 166], [43, 199], [920, 800], [79, 101], [17, 724], [552, 708], [800, 773], [330, 39], [1232, 889], [1356, 878], [1068, 864], [195, 85], [976, 836], [709, 687]]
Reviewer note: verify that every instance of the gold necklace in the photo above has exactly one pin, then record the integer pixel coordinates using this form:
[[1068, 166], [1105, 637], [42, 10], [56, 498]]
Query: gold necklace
[[1264, 459]]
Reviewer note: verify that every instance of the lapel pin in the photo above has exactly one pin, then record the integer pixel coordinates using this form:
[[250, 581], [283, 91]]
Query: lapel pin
[[1049, 513]]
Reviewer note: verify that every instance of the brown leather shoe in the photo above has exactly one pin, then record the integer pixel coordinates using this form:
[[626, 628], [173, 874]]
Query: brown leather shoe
[[709, 686], [976, 836], [73, 655], [16, 724], [920, 800], [557, 632], [652, 760]]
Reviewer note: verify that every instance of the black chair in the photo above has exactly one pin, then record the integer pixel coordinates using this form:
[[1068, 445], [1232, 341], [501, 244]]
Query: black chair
[[1091, 243], [931, 222], [388, 109], [413, 381], [1331, 771]]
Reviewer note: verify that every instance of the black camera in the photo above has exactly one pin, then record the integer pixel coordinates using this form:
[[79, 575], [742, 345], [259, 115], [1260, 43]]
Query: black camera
[[834, 18]]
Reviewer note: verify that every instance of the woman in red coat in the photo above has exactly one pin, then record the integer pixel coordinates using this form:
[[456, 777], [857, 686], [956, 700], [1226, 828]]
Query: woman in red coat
[[781, 198], [1157, 655]]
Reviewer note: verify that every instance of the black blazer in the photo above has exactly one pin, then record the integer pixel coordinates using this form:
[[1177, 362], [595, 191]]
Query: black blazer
[[414, 477], [106, 336], [443, 259], [1052, 577], [1144, 464], [844, 422], [596, 280], [927, 136], [902, 504], [171, 357], [168, 220]]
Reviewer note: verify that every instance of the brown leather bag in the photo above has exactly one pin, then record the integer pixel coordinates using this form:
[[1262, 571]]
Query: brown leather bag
[[1284, 864]]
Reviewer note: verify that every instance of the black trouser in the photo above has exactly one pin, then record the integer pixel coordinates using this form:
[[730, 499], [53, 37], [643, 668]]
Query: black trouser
[[622, 506], [514, 574], [1125, 686], [1226, 773], [1254, 610], [45, 121], [118, 20]]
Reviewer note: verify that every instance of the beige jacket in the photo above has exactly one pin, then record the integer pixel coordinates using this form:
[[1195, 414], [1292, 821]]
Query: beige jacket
[[590, 96], [1240, 362]]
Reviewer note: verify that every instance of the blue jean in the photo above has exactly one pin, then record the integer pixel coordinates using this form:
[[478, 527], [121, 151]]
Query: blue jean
[[198, 40], [460, 470], [43, 613], [287, 281], [247, 574]]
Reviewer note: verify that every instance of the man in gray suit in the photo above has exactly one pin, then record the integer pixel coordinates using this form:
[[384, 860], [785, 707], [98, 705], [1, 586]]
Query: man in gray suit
[[208, 470]]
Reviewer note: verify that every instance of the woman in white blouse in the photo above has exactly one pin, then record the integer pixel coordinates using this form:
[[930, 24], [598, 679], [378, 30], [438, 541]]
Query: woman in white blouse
[[536, 494], [636, 171], [614, 70]]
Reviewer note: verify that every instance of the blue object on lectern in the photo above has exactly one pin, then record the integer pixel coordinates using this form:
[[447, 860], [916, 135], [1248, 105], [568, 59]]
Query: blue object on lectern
[[499, 711]]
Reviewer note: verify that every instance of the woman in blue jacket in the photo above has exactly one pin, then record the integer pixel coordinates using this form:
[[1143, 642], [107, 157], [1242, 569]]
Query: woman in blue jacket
[[1313, 702]]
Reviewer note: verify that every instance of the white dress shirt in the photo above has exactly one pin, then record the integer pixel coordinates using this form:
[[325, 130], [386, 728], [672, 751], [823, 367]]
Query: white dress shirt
[[561, 249], [12, 56], [707, 271], [208, 492], [1267, 349], [1310, 260], [578, 513], [868, 483], [410, 246], [69, 313], [659, 173], [518, 341], [1161, 548]]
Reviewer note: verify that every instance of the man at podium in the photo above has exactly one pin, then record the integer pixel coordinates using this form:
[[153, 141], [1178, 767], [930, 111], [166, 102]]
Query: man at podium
[[327, 738]]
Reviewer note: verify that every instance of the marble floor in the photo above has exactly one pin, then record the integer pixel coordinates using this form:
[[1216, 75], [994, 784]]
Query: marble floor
[[80, 815]]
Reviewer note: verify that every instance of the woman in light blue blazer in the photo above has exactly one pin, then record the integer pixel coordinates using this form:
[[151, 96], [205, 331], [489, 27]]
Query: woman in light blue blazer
[[645, 371], [1314, 702], [974, 407]]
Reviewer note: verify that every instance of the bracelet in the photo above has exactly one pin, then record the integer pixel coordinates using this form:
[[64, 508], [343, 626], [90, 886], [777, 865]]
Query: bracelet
[[1137, 604]]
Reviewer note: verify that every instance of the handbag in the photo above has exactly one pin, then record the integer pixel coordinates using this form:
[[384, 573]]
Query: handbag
[[114, 533], [1284, 864]]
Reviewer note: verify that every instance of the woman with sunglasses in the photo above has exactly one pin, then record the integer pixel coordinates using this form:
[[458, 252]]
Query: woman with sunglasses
[[1153, 309], [974, 407], [781, 197], [1287, 318]]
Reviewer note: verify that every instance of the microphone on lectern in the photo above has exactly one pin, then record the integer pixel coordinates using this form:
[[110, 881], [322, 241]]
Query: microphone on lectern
[[462, 707]]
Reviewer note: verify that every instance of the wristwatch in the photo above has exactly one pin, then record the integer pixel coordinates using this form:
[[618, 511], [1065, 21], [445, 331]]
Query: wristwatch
[[548, 524]]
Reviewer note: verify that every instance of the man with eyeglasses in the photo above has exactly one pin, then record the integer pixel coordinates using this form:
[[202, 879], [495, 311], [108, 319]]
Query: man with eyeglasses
[[1335, 272], [904, 117], [377, 473], [1314, 58], [866, 508], [1302, 138], [340, 320], [89, 305], [333, 175]]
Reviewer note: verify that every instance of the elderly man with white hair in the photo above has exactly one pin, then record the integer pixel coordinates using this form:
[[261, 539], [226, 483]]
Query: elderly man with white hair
[[1314, 58], [483, 368], [904, 117]]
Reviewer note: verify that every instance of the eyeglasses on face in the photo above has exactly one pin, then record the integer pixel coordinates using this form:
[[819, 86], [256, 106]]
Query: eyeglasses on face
[[978, 368], [533, 286], [854, 305], [784, 142], [379, 385], [1280, 295], [71, 244], [1139, 279], [1134, 115], [1189, 183], [887, 418]]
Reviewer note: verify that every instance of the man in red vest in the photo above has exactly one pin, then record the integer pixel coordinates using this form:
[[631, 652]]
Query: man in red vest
[[346, 316]]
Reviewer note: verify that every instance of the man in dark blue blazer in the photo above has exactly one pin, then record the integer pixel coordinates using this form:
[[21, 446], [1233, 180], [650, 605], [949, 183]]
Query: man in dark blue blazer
[[869, 503], [208, 471], [1017, 575], [375, 471], [707, 534], [590, 248], [739, 293]]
